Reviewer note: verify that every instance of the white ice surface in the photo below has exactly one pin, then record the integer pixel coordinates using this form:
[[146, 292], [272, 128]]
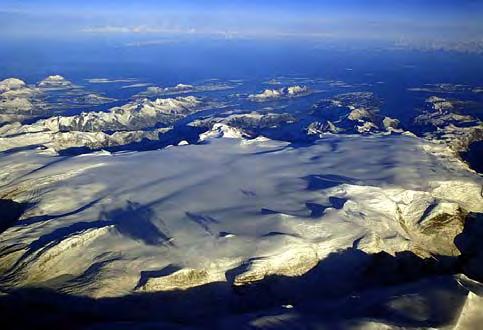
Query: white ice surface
[[211, 207]]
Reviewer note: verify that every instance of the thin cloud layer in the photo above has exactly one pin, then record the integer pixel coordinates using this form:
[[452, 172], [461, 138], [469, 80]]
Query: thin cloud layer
[[412, 21]]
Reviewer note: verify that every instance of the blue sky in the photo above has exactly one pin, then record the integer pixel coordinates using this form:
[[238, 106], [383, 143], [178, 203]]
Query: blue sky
[[409, 20]]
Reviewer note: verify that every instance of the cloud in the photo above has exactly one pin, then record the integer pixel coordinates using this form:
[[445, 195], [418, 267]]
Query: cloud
[[142, 29], [110, 81], [144, 43], [107, 29], [346, 19], [137, 85]]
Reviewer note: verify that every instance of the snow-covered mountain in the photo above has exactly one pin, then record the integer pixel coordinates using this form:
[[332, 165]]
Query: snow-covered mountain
[[242, 213], [133, 122], [134, 115], [20, 101], [102, 225], [274, 94]]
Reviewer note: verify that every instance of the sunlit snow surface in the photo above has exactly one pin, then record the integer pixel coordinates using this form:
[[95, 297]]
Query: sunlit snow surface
[[216, 206], [245, 199]]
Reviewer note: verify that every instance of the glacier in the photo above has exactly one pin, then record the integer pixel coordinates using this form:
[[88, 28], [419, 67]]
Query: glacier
[[222, 217], [184, 210]]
